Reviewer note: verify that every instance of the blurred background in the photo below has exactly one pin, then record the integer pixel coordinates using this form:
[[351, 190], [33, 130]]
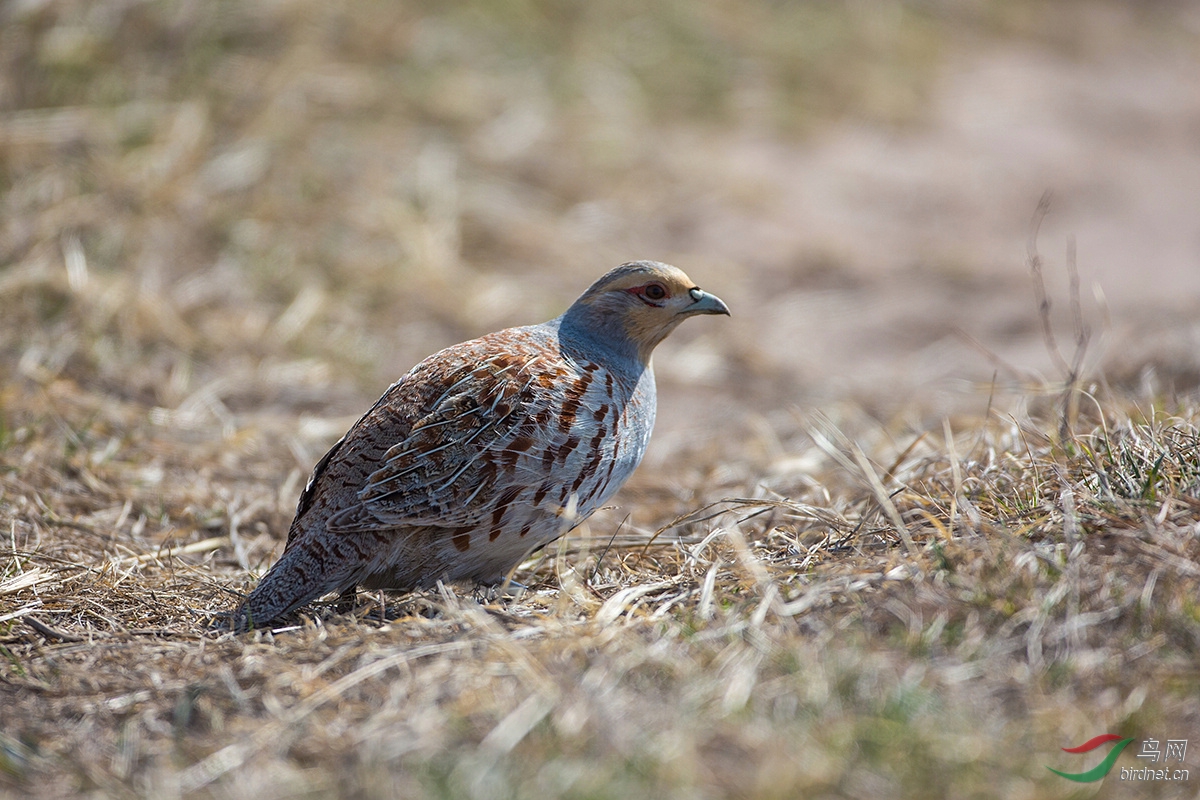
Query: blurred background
[[230, 210]]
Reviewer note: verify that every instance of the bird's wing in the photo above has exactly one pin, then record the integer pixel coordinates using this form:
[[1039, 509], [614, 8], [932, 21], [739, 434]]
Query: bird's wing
[[456, 459]]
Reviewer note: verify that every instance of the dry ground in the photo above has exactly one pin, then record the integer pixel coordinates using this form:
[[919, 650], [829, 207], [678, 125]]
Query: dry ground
[[890, 540]]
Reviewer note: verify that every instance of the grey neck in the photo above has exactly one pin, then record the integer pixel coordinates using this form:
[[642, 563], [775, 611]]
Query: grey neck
[[586, 331]]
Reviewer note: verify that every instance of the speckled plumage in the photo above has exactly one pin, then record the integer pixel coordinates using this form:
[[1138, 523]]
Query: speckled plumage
[[485, 450]]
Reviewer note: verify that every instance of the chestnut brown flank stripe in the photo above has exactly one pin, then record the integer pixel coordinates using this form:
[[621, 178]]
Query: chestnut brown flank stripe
[[462, 540], [567, 448], [520, 444], [570, 406]]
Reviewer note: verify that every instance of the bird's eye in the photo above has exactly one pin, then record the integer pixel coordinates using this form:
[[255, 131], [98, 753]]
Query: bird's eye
[[655, 291]]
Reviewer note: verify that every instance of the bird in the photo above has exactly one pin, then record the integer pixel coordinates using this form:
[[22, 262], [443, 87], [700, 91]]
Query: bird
[[484, 451]]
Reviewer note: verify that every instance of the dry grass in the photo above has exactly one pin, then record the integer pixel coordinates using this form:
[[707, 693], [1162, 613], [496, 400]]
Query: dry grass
[[777, 644], [226, 227]]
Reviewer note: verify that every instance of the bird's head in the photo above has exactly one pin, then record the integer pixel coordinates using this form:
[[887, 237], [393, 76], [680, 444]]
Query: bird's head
[[641, 302]]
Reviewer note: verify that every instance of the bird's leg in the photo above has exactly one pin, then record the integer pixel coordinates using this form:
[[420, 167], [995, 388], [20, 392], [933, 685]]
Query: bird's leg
[[346, 600], [503, 588]]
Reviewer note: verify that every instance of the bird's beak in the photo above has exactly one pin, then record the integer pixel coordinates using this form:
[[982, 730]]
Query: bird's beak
[[705, 303]]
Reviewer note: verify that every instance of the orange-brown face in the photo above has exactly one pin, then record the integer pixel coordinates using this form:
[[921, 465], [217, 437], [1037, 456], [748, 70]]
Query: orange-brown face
[[651, 299]]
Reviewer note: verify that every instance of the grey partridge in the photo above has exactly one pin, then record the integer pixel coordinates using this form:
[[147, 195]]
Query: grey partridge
[[486, 450]]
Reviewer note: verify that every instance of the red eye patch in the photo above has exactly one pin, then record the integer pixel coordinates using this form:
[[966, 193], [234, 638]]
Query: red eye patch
[[651, 294]]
